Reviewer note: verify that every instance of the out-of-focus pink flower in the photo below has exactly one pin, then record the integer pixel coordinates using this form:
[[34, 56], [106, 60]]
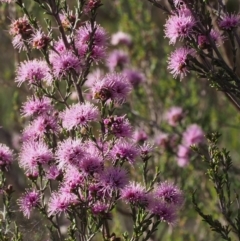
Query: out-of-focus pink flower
[[6, 156], [174, 115], [121, 38], [183, 155], [229, 21], [193, 135], [117, 59]]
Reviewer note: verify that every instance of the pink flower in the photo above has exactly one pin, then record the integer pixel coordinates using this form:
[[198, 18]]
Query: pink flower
[[93, 77], [179, 27], [60, 202], [7, 1], [229, 21], [69, 151], [97, 53], [73, 178], [179, 3], [169, 193], [79, 115], [95, 33], [91, 164], [113, 179], [59, 46], [53, 172], [84, 34], [217, 38], [145, 149], [40, 126], [33, 154], [125, 151], [6, 156], [178, 62], [118, 126], [193, 135], [112, 86], [174, 115], [34, 72], [36, 106], [30, 200], [64, 63], [135, 194], [99, 208], [165, 213]]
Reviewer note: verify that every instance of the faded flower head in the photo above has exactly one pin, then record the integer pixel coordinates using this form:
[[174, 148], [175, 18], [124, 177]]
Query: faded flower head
[[39, 40], [21, 31], [67, 19]]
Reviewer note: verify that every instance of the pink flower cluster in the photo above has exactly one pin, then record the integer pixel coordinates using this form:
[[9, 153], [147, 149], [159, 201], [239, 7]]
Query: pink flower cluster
[[185, 25]]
